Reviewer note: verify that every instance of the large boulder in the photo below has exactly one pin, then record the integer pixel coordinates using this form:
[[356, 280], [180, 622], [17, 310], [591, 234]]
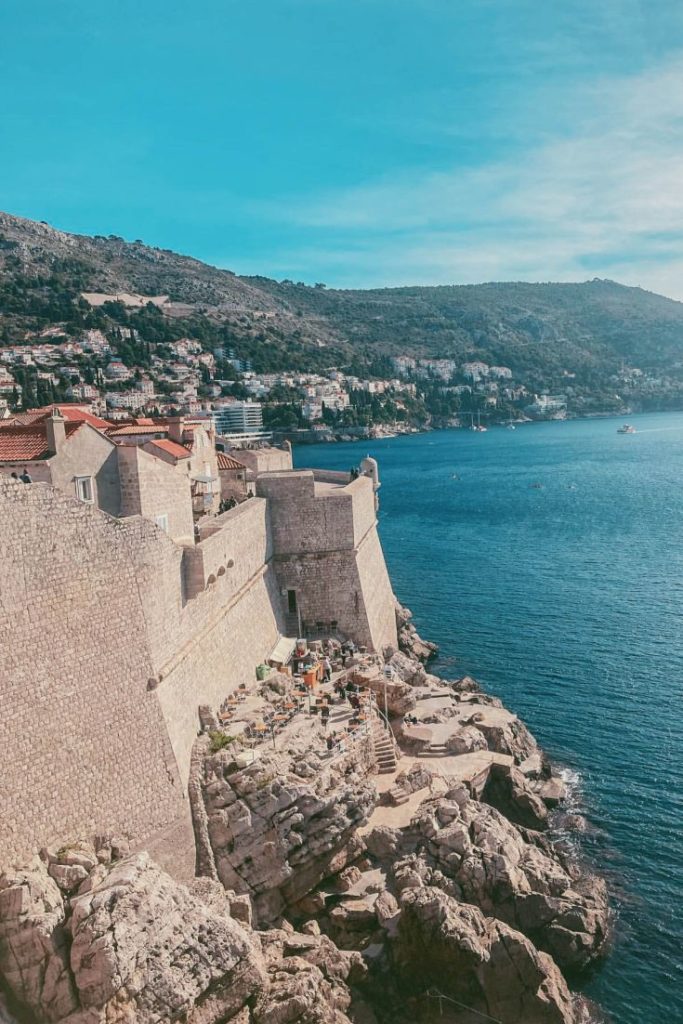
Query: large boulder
[[466, 741], [274, 835], [512, 737], [34, 957], [508, 790], [482, 963], [143, 942], [407, 669], [307, 980]]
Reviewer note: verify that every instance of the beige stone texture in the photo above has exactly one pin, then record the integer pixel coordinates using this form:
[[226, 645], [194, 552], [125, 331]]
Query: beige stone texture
[[84, 743]]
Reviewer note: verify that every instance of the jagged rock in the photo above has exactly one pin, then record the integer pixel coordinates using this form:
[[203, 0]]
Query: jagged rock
[[306, 980], [384, 842], [67, 876], [275, 836], [353, 922], [553, 792], [142, 940], [348, 878], [470, 850], [465, 684], [386, 908], [34, 957], [410, 642], [534, 766], [313, 903], [481, 962], [408, 670], [494, 867], [298, 993], [512, 738], [417, 777], [507, 790], [466, 741]]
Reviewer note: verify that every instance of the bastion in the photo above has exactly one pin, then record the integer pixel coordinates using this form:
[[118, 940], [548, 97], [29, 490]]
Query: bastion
[[112, 635]]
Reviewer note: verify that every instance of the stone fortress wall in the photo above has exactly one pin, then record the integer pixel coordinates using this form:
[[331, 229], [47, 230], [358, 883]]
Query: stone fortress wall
[[112, 635], [83, 742], [327, 551]]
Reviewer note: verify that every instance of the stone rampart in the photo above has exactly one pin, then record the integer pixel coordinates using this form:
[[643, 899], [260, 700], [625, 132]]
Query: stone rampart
[[326, 549], [83, 741], [236, 543], [112, 635]]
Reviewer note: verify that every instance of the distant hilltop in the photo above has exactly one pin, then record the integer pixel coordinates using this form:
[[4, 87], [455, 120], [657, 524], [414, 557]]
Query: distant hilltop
[[546, 333]]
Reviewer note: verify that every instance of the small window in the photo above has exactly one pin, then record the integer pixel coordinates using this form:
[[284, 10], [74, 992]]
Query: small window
[[84, 491], [291, 602], [162, 522]]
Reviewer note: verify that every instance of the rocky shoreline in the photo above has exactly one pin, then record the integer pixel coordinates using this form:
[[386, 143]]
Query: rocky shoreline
[[333, 890]]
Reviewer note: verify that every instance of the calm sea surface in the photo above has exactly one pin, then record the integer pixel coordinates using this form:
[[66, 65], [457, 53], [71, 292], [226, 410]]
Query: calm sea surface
[[565, 600]]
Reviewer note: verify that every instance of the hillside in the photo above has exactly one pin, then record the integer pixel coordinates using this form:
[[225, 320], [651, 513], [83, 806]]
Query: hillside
[[43, 272], [529, 327], [539, 330]]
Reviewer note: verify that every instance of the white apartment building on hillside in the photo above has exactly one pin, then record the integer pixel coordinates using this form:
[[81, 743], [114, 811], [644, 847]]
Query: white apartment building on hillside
[[238, 418]]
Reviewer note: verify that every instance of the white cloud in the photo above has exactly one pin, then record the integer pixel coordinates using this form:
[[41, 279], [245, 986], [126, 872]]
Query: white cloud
[[602, 196]]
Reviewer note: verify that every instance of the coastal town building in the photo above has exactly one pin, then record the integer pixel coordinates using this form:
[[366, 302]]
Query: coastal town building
[[238, 418]]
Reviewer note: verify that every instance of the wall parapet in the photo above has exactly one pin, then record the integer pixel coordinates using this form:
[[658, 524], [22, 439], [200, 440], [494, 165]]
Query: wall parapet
[[236, 543]]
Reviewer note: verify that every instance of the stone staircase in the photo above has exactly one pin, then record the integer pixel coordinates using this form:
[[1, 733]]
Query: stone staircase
[[398, 796], [434, 750], [384, 748]]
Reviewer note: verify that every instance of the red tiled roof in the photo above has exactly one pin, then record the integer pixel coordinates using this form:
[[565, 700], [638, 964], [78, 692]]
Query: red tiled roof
[[172, 447], [227, 462], [27, 444], [72, 413], [24, 418], [133, 428]]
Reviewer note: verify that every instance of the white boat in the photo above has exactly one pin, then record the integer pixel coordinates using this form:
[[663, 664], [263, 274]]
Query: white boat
[[477, 427], [626, 429]]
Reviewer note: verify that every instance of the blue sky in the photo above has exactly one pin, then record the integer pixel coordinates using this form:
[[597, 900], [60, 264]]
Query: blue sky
[[360, 143]]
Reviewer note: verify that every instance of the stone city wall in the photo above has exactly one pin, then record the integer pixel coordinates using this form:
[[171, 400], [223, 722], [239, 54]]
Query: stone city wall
[[306, 517], [83, 741], [326, 548], [112, 635]]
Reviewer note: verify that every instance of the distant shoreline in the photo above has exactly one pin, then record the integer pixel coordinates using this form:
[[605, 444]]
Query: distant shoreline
[[392, 436]]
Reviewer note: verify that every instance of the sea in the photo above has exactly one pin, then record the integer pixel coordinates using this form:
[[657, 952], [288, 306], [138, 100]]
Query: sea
[[547, 562]]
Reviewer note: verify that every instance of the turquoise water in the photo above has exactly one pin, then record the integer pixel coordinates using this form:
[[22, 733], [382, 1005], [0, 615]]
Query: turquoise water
[[567, 602]]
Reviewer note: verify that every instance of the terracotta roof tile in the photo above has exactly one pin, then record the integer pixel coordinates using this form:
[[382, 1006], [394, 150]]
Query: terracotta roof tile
[[27, 444], [172, 447], [227, 462], [133, 429], [72, 413]]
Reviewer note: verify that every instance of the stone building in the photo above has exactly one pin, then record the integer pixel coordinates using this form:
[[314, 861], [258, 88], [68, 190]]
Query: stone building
[[233, 477], [80, 460]]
